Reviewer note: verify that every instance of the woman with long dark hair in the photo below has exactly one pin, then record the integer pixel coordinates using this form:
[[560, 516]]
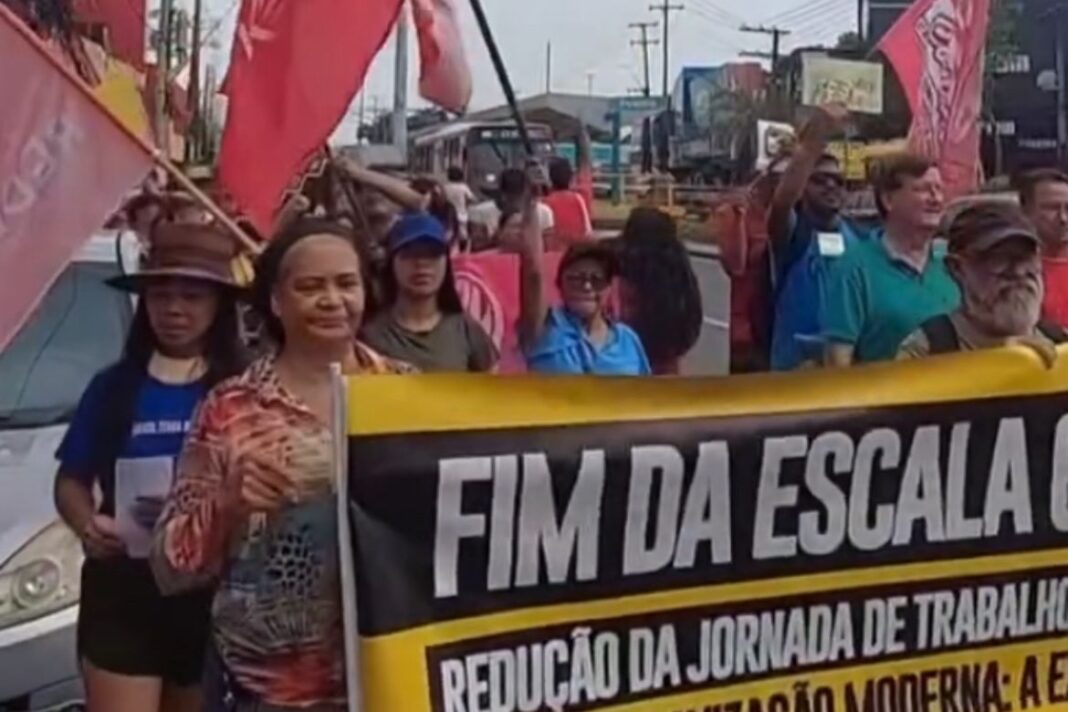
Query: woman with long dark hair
[[423, 321], [254, 505], [659, 294], [140, 651]]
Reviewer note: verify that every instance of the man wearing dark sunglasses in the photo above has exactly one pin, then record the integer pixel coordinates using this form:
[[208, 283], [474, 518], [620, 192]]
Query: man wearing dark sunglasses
[[806, 232]]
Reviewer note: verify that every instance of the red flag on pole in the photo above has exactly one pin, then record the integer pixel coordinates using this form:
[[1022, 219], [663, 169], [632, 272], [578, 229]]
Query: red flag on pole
[[65, 165], [937, 49], [295, 67], [444, 75], [125, 23]]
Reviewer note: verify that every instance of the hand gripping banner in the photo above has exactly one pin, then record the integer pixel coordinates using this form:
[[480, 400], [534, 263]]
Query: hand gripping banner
[[885, 539]]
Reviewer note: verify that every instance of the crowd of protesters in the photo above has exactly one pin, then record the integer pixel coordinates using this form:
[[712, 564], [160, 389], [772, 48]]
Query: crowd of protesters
[[814, 288], [234, 601]]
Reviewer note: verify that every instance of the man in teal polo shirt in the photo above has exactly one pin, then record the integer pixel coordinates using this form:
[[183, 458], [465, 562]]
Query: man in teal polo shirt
[[883, 288]]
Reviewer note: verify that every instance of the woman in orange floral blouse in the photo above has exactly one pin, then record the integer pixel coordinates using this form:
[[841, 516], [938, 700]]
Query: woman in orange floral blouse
[[253, 506]]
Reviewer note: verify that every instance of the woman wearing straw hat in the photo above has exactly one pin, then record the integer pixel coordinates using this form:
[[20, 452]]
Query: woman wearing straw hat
[[141, 652]]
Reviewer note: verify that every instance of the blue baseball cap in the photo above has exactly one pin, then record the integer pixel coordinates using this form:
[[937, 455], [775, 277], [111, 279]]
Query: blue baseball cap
[[416, 227]]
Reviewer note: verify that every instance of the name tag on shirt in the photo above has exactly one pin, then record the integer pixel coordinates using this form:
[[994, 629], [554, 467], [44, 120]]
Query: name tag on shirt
[[830, 244]]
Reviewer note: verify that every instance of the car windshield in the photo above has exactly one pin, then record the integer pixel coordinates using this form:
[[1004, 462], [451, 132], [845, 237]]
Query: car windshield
[[76, 331]]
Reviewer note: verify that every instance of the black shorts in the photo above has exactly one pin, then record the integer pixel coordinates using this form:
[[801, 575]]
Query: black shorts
[[127, 627]]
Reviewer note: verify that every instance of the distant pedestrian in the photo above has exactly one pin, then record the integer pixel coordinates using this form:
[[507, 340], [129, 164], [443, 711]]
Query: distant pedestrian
[[493, 216], [1044, 197], [572, 209], [462, 198], [142, 651], [994, 258]]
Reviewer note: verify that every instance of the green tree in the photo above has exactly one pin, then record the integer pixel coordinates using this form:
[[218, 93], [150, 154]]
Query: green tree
[[849, 40]]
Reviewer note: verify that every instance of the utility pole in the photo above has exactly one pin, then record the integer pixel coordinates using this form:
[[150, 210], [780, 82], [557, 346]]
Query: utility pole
[[548, 67], [667, 8], [589, 82], [400, 86], [777, 33], [163, 76], [645, 43], [860, 20], [194, 139]]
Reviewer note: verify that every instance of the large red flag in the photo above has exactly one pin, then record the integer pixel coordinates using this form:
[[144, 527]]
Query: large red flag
[[295, 67], [125, 24], [937, 49], [444, 75], [65, 164]]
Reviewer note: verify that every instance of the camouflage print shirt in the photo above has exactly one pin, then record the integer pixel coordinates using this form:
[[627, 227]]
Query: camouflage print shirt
[[277, 611]]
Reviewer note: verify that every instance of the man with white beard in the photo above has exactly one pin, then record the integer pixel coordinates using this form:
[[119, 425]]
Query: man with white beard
[[994, 256]]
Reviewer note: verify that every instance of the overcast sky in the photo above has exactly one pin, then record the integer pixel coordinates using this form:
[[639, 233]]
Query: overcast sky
[[591, 36]]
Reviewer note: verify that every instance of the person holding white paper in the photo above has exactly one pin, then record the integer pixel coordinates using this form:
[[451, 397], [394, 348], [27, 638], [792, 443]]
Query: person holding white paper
[[140, 651]]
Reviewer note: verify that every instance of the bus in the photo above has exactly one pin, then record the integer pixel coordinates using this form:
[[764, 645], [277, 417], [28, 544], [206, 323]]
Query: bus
[[481, 149]]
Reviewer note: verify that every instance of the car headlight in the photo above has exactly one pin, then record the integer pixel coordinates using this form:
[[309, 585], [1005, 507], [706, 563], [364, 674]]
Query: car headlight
[[42, 577]]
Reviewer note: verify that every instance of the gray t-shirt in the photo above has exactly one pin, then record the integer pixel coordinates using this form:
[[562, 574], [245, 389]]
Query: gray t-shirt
[[458, 343]]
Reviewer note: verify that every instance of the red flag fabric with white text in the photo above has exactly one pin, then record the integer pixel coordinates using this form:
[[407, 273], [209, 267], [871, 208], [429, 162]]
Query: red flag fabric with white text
[[444, 75], [65, 165], [295, 68], [937, 49]]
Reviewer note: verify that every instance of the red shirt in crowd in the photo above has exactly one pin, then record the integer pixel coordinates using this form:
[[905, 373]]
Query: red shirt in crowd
[[571, 212], [1055, 306], [739, 225]]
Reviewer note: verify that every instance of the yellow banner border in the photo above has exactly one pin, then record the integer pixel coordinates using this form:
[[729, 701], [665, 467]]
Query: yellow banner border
[[386, 405]]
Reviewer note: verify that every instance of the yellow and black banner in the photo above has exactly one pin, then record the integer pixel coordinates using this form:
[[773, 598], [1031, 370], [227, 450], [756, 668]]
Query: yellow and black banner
[[889, 539]]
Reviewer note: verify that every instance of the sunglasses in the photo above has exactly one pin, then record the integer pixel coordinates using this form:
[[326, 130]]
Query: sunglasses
[[581, 280]]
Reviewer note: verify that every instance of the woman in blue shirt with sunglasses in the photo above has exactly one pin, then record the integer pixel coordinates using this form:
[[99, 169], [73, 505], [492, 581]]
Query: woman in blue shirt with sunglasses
[[578, 337]]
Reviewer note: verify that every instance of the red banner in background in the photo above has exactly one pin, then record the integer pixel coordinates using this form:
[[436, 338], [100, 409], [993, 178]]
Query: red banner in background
[[937, 49], [488, 283]]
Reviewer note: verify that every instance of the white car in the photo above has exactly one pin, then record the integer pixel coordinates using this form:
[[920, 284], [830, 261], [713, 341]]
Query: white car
[[78, 329]]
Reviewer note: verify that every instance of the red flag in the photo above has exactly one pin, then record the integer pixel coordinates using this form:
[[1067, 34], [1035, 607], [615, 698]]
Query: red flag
[[295, 67], [937, 49], [65, 164], [125, 24], [444, 76]]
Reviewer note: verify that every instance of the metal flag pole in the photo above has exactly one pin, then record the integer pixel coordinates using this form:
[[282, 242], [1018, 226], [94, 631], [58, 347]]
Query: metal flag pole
[[502, 75]]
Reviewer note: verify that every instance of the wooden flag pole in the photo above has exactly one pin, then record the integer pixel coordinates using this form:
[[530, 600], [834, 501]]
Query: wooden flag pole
[[198, 195]]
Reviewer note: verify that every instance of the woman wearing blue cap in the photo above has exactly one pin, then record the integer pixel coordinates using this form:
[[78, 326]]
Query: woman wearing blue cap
[[422, 321]]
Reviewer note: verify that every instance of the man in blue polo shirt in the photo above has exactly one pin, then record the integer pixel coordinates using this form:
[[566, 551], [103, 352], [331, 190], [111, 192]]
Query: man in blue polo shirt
[[807, 233], [889, 284]]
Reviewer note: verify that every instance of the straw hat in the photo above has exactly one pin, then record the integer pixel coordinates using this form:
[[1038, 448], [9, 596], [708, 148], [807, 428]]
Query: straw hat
[[198, 251]]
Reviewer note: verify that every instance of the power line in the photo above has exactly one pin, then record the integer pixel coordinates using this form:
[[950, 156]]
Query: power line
[[713, 23], [727, 17], [832, 20], [801, 12]]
